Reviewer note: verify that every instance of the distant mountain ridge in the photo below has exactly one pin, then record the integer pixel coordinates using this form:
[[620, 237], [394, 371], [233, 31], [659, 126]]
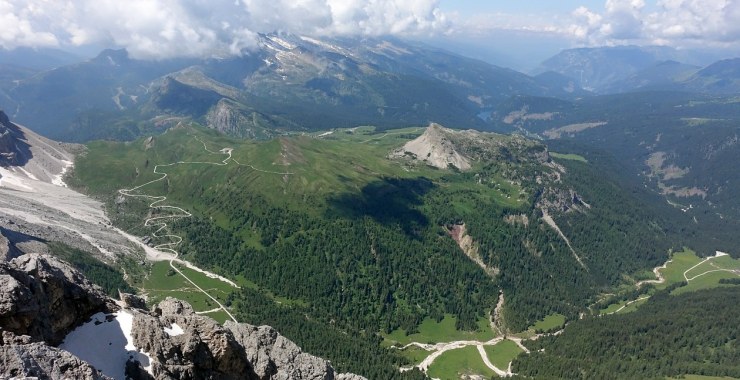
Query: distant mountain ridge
[[606, 70], [289, 81]]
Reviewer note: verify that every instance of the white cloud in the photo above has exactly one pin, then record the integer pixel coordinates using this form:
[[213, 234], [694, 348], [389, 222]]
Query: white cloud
[[378, 17], [681, 23], [16, 28], [176, 28]]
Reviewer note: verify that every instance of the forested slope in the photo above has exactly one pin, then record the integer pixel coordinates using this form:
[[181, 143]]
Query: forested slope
[[653, 342], [336, 237]]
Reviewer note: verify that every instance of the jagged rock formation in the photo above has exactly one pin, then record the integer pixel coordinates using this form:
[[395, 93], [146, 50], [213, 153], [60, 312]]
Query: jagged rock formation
[[9, 152], [201, 348], [435, 147], [444, 148], [38, 360], [42, 299], [45, 298], [226, 118], [7, 250]]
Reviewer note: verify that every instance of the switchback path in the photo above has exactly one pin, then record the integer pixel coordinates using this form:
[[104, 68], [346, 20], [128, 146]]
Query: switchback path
[[167, 251]]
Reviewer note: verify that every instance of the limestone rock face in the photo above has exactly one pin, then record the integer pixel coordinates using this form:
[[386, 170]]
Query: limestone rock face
[[42, 299], [446, 148], [8, 151], [275, 357], [37, 360], [188, 346], [45, 298], [185, 345], [436, 149], [7, 251]]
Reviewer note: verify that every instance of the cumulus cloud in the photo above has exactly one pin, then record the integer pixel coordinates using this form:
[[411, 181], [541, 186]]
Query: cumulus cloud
[[673, 22], [17, 29], [188, 28]]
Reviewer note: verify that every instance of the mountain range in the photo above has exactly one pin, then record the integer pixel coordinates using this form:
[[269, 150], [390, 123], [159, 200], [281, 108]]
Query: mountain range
[[620, 69], [291, 82]]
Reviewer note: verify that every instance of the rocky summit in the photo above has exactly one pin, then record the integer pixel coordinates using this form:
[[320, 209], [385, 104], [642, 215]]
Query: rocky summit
[[55, 324]]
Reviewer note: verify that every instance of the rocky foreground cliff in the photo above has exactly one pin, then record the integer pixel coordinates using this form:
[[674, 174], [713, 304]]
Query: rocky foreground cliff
[[55, 324]]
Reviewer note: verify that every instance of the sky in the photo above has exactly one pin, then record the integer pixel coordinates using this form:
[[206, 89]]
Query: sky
[[518, 31]]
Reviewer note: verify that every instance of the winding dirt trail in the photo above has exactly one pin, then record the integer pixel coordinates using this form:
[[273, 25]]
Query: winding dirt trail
[[717, 254], [487, 362], [661, 279], [627, 304], [659, 275], [167, 251]]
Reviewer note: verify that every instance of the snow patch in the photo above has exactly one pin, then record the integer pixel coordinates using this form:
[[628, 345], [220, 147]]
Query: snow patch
[[106, 343], [57, 179], [12, 180], [720, 254], [326, 134], [323, 44], [174, 330], [285, 44]]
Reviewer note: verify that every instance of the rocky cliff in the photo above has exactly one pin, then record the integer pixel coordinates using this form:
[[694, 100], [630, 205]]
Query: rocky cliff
[[9, 152], [44, 298], [55, 324], [444, 148]]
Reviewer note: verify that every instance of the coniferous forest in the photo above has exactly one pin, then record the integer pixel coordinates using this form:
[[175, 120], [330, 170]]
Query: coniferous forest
[[669, 336]]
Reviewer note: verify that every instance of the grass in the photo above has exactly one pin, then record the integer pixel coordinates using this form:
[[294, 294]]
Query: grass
[[503, 353], [680, 262], [215, 287], [453, 364], [569, 156], [699, 377], [549, 323], [633, 306], [163, 282], [431, 331], [612, 308], [220, 316], [697, 269], [624, 306], [414, 354], [709, 280]]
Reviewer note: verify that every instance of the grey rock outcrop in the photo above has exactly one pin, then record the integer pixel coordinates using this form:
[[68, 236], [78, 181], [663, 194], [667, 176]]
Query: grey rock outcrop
[[38, 360], [275, 357], [45, 298], [8, 144], [201, 348], [7, 250], [436, 148], [443, 148], [132, 301], [198, 349]]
